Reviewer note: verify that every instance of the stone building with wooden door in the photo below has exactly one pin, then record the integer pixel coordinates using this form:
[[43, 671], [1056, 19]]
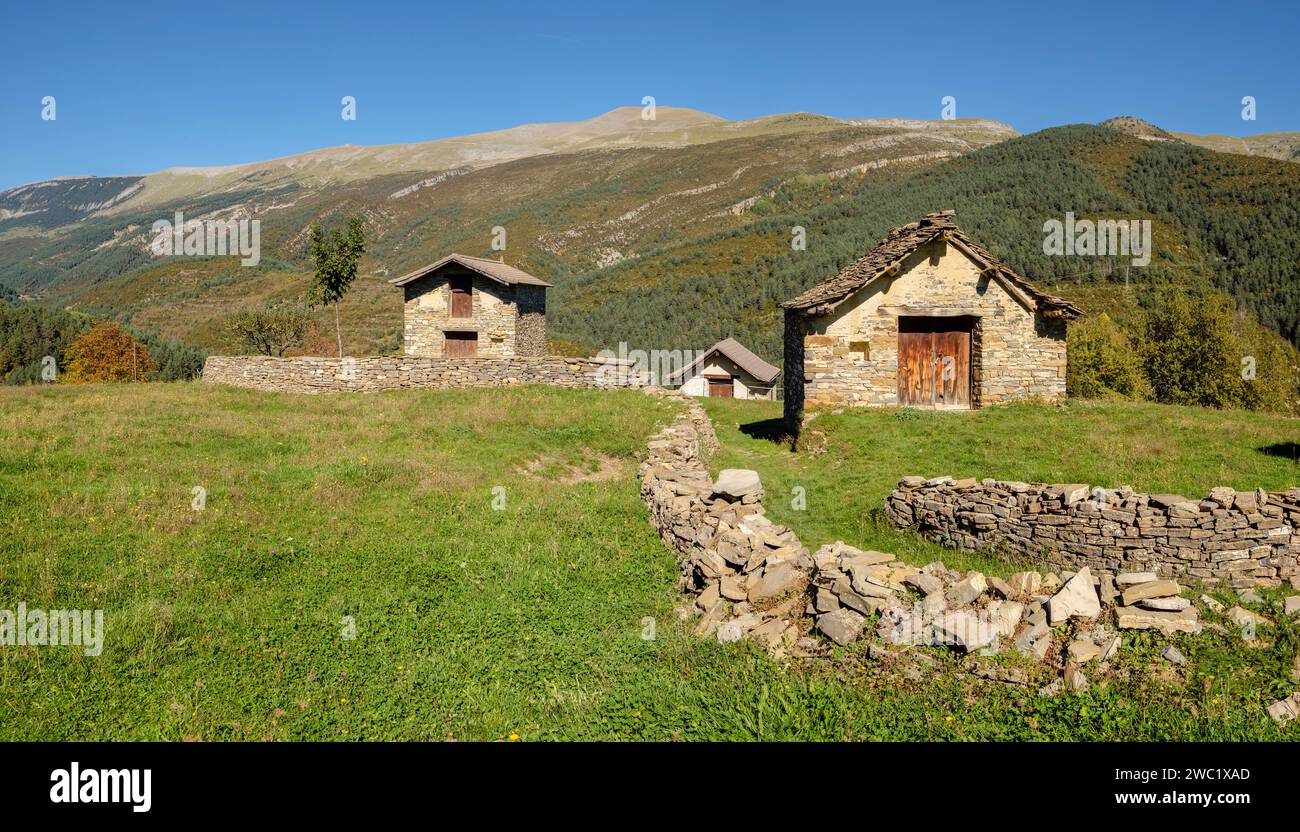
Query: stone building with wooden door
[[462, 307], [927, 318], [727, 370]]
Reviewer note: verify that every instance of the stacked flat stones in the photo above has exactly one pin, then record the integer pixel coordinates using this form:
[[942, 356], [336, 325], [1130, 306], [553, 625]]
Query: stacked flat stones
[[937, 606], [748, 575], [370, 374], [1237, 538], [1147, 602]]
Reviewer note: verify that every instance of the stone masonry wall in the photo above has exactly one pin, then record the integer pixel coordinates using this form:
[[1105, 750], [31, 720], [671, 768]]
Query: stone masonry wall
[[748, 574], [1231, 537], [530, 329], [749, 578], [328, 375]]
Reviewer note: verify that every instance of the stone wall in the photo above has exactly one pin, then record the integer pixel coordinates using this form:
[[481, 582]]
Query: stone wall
[[1231, 537], [850, 355], [328, 375], [748, 578], [509, 320], [748, 575], [530, 329]]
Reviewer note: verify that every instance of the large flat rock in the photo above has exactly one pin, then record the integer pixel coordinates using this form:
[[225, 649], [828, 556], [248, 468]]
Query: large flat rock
[[736, 483]]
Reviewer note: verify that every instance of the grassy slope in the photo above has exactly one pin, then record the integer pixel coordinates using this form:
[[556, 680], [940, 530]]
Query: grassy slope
[[473, 623]]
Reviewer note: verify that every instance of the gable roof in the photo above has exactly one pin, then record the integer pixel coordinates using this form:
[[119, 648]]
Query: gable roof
[[493, 269], [886, 259], [739, 355]]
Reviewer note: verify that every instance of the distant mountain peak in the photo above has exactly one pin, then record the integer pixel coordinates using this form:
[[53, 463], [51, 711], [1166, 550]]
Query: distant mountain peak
[[1140, 129]]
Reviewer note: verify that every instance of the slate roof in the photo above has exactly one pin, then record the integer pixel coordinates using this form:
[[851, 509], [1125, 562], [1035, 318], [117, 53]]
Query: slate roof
[[739, 355], [901, 242], [494, 269]]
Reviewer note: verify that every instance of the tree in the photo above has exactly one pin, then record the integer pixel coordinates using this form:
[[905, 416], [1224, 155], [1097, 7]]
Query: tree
[[271, 330], [173, 360], [1102, 362], [336, 266], [1191, 354], [28, 334], [107, 352]]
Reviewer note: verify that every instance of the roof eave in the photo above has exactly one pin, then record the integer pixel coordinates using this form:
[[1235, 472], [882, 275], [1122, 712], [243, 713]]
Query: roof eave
[[425, 271]]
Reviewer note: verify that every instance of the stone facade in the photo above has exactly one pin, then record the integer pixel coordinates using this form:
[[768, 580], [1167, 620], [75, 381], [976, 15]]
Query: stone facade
[[330, 375], [927, 318], [509, 319], [850, 355], [1230, 537], [530, 324]]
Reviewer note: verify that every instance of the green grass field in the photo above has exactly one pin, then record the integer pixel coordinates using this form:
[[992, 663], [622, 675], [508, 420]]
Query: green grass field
[[229, 623]]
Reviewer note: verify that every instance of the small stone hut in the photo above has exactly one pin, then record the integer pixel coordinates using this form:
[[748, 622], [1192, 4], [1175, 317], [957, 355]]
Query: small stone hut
[[927, 318], [727, 370], [462, 307]]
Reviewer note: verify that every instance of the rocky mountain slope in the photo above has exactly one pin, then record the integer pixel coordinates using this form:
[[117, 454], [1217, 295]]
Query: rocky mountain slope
[[665, 234], [571, 198]]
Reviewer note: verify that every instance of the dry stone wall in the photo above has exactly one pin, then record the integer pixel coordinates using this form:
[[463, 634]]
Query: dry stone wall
[[749, 578], [1231, 537], [330, 375], [748, 575]]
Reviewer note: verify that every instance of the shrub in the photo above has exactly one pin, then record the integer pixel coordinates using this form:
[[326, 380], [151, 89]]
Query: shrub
[[272, 330], [1102, 361], [107, 352]]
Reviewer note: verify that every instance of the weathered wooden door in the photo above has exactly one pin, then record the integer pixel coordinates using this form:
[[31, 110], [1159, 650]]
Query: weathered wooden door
[[462, 297], [461, 344], [934, 362], [721, 387]]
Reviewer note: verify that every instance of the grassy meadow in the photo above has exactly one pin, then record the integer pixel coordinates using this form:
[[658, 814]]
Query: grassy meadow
[[477, 565]]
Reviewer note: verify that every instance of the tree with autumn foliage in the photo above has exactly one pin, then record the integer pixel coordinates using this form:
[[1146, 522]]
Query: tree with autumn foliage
[[107, 352]]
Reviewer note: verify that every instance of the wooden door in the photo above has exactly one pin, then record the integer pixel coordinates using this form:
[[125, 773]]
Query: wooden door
[[952, 368], [462, 297], [461, 344], [934, 362], [915, 369], [721, 387]]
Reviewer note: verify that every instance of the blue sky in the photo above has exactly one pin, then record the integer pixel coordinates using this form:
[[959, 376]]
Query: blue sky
[[143, 86]]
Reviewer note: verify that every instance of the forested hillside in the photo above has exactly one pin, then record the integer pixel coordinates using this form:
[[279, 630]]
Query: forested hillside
[[1223, 225], [30, 335]]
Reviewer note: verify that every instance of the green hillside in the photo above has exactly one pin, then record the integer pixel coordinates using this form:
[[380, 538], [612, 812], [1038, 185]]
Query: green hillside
[[675, 243], [572, 198], [1222, 225]]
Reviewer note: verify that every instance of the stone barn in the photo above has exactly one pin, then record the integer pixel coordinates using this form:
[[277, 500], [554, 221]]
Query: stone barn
[[727, 370], [462, 307], [928, 318]]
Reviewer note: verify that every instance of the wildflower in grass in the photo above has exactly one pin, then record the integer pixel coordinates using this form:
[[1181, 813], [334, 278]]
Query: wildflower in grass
[[514, 736]]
